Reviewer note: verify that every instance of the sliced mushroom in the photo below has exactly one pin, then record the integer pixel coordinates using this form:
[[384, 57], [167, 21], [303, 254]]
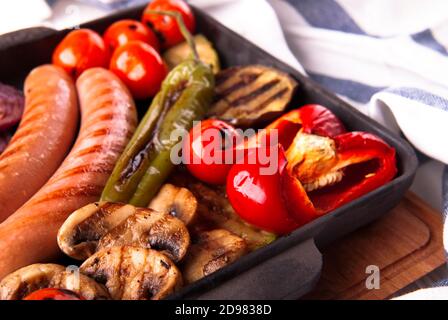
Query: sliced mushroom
[[211, 251], [132, 273], [177, 201], [86, 287], [251, 94], [26, 280], [22, 282], [150, 229], [79, 235]]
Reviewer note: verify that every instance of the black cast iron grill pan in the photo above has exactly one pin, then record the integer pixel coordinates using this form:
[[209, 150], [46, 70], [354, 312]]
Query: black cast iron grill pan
[[290, 266]]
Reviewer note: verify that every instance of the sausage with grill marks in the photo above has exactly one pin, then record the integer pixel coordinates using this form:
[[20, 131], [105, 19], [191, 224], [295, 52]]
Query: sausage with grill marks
[[44, 137], [108, 120]]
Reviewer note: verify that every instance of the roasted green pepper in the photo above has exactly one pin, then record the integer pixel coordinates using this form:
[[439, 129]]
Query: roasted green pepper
[[185, 96]]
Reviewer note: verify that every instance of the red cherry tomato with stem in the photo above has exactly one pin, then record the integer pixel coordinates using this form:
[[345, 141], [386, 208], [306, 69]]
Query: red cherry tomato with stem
[[209, 150], [81, 50], [166, 27], [140, 67], [121, 32], [53, 294]]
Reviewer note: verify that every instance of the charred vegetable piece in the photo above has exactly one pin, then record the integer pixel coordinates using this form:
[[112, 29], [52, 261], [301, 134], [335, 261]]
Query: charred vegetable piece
[[178, 202], [24, 281], [251, 95], [131, 273], [11, 107], [150, 229], [185, 96], [182, 52], [79, 235], [212, 251], [215, 212]]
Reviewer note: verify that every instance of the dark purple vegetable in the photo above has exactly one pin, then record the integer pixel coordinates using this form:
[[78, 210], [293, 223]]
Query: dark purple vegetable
[[11, 107]]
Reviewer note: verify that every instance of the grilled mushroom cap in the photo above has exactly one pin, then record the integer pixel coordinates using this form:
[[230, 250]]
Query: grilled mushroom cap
[[150, 229], [179, 202], [212, 251], [24, 281], [132, 273], [79, 235], [251, 94]]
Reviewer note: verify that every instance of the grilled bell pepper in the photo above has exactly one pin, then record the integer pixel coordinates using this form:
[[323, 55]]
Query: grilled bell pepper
[[185, 96], [326, 168], [311, 118]]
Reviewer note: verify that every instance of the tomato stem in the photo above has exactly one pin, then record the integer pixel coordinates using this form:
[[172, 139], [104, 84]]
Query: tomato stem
[[183, 29]]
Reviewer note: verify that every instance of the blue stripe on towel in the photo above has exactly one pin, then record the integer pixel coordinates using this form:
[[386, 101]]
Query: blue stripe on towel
[[357, 91], [426, 38], [326, 14], [421, 96]]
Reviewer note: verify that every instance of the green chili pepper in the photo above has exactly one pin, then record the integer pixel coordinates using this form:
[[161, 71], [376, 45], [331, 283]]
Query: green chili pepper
[[185, 96]]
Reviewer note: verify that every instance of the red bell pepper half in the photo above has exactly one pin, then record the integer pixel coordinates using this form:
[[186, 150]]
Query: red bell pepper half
[[311, 118], [332, 172], [325, 169]]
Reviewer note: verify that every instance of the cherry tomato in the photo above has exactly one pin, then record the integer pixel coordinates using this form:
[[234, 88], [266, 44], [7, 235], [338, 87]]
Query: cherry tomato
[[80, 50], [166, 27], [123, 31], [209, 150], [254, 189], [140, 67], [53, 294]]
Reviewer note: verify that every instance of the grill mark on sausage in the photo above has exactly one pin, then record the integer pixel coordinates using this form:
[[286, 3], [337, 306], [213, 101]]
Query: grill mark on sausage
[[104, 103], [106, 132], [35, 102], [255, 93], [97, 149], [23, 133], [112, 116], [97, 133], [30, 118], [10, 152], [100, 106], [86, 168], [71, 192]]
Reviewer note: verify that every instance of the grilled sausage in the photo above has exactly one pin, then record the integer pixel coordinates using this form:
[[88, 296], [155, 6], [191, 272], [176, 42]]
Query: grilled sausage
[[41, 142], [108, 121]]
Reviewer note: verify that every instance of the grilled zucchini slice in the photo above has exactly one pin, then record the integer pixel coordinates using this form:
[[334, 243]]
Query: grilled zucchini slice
[[251, 95]]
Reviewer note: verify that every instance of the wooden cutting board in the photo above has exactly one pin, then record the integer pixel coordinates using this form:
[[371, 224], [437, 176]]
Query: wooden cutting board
[[405, 244]]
